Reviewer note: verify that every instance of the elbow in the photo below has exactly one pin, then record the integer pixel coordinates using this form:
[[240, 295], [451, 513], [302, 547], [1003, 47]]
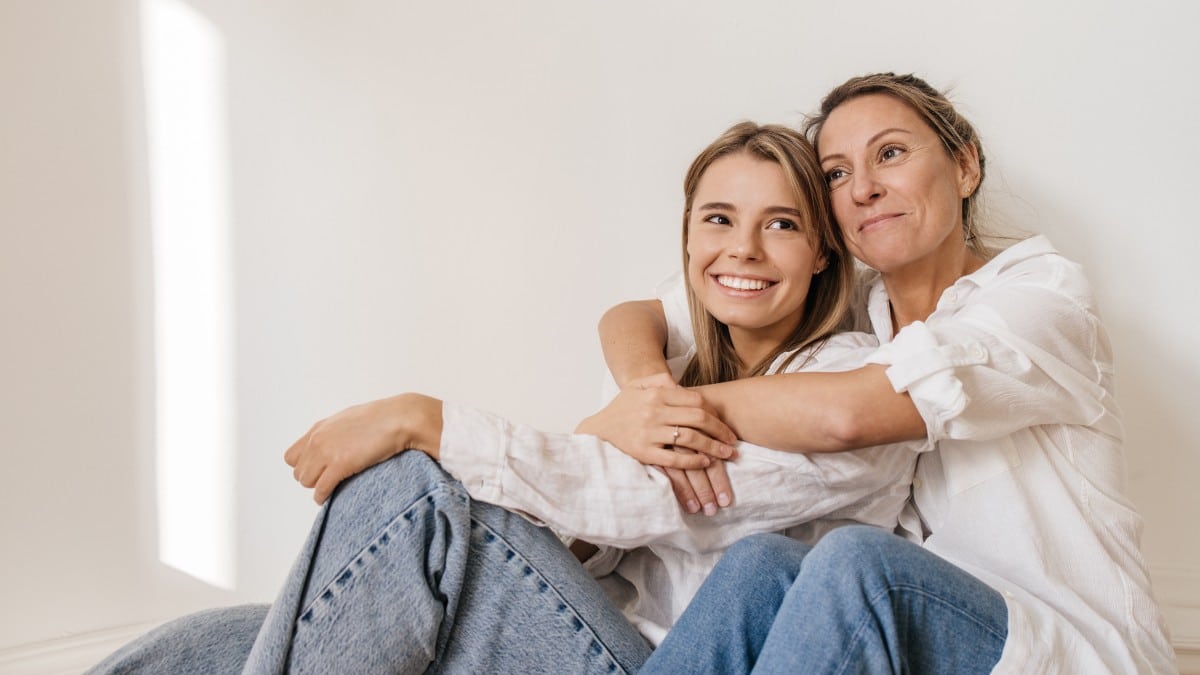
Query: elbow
[[844, 429]]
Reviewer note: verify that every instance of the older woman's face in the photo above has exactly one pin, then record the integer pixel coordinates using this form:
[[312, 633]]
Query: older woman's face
[[897, 193]]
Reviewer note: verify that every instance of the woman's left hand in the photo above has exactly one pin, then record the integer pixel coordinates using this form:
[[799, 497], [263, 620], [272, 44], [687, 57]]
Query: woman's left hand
[[362, 436]]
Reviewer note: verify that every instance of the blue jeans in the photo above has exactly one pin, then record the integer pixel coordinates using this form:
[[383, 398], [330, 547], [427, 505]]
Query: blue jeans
[[861, 601], [404, 573]]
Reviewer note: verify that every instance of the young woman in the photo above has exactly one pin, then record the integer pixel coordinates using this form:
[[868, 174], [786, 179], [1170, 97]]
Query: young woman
[[406, 571], [1019, 552]]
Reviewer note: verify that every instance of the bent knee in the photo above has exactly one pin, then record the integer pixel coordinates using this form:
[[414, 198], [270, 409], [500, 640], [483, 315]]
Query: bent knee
[[410, 474], [766, 552]]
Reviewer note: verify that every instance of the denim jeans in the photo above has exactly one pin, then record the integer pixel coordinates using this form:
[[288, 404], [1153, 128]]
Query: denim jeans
[[861, 601], [404, 573]]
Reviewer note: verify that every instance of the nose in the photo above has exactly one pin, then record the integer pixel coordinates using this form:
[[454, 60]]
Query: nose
[[746, 244], [865, 186]]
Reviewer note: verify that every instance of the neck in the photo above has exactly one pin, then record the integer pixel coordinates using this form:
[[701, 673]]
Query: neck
[[752, 346], [914, 290]]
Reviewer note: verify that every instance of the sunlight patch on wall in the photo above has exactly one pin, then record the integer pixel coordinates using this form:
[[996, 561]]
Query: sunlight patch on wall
[[184, 65]]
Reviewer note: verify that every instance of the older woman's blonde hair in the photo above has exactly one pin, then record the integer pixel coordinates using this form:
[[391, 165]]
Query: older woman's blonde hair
[[955, 131], [828, 296]]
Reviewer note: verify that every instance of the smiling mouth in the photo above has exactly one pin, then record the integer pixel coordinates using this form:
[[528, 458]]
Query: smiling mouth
[[743, 283], [876, 220]]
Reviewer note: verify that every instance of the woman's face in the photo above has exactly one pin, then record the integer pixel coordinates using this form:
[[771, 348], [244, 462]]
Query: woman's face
[[750, 260], [897, 194]]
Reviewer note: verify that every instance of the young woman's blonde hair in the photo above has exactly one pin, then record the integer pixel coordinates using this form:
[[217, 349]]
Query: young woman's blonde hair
[[828, 296]]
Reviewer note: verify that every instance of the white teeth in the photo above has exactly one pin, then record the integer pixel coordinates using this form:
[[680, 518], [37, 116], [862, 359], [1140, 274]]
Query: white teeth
[[742, 283]]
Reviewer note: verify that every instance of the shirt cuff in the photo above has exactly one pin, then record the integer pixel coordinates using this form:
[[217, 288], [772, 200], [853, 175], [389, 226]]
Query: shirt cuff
[[924, 369], [474, 445]]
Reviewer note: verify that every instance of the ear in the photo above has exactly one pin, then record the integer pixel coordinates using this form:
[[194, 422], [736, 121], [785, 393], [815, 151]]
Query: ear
[[822, 263], [968, 171]]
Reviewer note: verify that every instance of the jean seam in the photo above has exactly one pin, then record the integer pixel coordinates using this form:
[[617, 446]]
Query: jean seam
[[344, 580], [887, 592], [563, 603]]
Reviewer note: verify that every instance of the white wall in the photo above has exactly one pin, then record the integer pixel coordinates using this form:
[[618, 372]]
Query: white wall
[[444, 197]]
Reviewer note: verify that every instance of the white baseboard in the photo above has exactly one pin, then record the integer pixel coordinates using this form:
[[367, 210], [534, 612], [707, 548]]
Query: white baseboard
[[68, 655], [1178, 593]]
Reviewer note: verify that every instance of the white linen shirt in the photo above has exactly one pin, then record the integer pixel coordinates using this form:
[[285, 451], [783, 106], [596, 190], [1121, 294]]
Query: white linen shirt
[[654, 556], [1022, 480]]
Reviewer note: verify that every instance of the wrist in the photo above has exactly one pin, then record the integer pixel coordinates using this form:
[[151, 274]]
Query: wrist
[[420, 426]]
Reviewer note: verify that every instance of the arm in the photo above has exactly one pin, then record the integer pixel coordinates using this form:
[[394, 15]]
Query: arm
[[1026, 350], [362, 436], [817, 412], [586, 488], [633, 336]]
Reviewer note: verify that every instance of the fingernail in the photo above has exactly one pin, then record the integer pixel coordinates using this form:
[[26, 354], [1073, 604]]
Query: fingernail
[[693, 506], [710, 509], [728, 450], [723, 499]]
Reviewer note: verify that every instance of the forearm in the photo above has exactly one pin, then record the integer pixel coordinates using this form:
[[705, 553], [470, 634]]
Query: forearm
[[633, 336], [817, 412]]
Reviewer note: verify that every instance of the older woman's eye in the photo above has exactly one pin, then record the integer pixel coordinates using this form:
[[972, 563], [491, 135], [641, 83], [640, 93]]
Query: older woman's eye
[[834, 176], [890, 152]]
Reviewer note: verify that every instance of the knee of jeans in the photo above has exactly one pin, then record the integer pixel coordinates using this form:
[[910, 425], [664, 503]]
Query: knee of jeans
[[767, 552], [410, 473], [860, 548]]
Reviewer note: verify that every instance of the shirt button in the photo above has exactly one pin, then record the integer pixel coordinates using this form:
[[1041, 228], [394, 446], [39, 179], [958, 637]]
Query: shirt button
[[951, 295], [978, 352]]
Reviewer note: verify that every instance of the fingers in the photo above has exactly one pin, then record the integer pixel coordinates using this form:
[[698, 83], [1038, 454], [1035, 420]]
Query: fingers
[[704, 490], [718, 478], [681, 436], [670, 459], [682, 488]]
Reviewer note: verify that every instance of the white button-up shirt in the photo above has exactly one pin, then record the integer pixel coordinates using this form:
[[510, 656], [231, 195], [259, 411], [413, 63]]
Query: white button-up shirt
[[1023, 481], [655, 556]]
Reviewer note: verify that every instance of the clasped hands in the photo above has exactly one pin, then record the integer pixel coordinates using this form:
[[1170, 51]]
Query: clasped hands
[[659, 423]]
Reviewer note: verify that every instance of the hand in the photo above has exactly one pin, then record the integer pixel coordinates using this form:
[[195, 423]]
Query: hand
[[362, 436], [646, 423], [707, 489]]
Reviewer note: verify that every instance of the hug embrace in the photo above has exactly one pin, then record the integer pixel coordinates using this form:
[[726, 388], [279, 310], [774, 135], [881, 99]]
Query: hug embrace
[[855, 436]]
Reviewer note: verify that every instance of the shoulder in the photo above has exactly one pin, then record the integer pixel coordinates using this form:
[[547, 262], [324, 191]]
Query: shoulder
[[1035, 264], [840, 351]]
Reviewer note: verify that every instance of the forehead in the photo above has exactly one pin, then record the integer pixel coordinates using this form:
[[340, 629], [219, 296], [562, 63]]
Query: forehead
[[742, 176], [859, 120]]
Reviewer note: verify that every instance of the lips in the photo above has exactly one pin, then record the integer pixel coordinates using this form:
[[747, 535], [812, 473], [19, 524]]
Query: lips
[[742, 283], [875, 220]]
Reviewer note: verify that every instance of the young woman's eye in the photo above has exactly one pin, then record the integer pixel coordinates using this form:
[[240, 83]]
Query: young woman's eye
[[833, 176], [890, 152], [781, 224], [717, 219]]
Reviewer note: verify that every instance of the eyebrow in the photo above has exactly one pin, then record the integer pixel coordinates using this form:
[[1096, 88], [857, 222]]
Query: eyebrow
[[726, 206], [870, 141]]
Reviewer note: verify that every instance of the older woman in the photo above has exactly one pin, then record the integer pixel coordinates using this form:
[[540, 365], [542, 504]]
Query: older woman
[[1018, 552]]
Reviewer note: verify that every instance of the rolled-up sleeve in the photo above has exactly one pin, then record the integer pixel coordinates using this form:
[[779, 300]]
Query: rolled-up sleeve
[[1013, 356]]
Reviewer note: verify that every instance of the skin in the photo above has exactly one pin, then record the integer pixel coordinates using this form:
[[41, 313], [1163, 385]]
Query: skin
[[746, 229], [897, 196]]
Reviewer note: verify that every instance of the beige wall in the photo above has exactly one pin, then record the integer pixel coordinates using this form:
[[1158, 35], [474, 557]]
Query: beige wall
[[445, 197]]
